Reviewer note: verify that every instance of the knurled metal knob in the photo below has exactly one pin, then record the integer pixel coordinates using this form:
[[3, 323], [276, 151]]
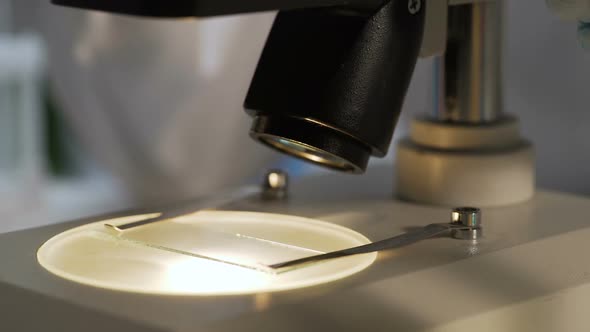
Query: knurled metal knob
[[470, 217], [275, 185]]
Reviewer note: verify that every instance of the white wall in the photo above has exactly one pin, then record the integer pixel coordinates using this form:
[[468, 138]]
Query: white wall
[[548, 86]]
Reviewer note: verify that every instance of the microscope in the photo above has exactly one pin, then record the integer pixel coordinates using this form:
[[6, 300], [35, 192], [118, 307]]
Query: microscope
[[331, 81], [329, 88]]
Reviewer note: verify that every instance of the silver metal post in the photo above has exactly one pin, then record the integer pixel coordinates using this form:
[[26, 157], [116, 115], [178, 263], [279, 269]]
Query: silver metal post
[[467, 79]]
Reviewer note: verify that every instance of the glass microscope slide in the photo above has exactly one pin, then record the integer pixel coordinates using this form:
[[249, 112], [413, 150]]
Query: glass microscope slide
[[199, 241]]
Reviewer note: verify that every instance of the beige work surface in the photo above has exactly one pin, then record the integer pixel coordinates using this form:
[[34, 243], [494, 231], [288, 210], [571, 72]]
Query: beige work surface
[[530, 273]]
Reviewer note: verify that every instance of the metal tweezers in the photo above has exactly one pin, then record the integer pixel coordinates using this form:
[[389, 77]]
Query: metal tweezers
[[187, 208], [395, 242]]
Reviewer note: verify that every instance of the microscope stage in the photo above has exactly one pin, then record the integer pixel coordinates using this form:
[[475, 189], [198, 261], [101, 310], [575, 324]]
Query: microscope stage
[[527, 274], [204, 253]]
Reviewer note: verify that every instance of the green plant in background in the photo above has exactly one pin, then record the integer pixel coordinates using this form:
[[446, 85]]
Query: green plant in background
[[59, 143]]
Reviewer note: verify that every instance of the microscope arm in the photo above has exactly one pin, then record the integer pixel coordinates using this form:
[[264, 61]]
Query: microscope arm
[[201, 8]]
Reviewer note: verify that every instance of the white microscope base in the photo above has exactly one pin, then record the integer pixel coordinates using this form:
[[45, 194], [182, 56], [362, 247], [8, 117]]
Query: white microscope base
[[528, 274]]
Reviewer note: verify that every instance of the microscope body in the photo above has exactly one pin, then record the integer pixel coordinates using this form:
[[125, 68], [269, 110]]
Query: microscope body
[[523, 275], [332, 78]]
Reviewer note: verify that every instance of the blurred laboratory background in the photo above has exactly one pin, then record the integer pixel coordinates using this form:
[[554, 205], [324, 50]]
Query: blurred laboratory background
[[101, 112]]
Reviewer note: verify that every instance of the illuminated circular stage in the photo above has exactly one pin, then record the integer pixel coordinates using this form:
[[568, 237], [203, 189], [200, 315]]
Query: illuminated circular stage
[[205, 253]]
